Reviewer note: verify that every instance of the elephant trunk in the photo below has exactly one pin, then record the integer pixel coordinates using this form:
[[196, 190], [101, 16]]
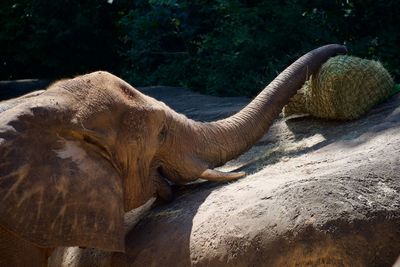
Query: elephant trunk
[[226, 139], [201, 146]]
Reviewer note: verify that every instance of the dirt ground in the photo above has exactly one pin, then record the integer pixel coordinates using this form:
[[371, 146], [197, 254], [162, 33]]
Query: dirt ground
[[317, 193]]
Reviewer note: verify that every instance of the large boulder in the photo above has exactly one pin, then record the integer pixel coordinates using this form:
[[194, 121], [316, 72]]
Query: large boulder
[[317, 193]]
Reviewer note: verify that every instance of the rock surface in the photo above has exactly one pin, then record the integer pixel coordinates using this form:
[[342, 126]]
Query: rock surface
[[318, 193]]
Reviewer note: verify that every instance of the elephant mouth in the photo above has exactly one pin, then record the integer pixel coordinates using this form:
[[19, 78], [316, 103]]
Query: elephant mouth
[[170, 174]]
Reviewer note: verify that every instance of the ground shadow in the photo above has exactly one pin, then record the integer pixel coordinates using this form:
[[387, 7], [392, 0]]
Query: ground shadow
[[163, 227]]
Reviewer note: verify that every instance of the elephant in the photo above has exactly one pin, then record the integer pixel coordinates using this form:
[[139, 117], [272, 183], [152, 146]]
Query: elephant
[[75, 157]]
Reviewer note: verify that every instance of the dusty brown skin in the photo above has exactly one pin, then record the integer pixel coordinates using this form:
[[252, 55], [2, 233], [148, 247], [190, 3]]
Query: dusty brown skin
[[74, 158]]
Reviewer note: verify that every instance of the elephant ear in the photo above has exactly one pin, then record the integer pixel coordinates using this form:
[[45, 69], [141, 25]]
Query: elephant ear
[[55, 190]]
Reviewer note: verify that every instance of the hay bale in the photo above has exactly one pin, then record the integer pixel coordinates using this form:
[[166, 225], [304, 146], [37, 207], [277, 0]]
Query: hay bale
[[344, 88]]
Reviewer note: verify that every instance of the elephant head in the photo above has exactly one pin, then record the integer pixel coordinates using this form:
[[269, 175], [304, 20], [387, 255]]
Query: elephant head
[[75, 157]]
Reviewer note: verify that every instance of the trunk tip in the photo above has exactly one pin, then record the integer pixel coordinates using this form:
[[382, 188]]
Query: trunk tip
[[337, 49]]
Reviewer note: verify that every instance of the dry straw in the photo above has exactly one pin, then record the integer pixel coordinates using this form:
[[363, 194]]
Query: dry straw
[[344, 88]]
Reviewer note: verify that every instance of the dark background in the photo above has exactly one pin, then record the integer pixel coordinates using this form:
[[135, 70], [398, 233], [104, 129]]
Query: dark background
[[215, 47]]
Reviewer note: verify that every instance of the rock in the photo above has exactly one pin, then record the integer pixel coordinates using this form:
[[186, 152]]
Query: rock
[[317, 193]]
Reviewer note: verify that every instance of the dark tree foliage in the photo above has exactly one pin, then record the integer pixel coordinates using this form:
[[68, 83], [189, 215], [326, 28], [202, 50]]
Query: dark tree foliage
[[58, 38], [218, 47], [370, 28], [223, 47], [236, 47]]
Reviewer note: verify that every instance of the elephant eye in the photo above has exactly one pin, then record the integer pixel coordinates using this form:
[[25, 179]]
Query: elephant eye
[[162, 134]]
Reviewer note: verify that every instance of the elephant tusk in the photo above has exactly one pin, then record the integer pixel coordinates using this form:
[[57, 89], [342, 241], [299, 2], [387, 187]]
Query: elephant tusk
[[218, 176]]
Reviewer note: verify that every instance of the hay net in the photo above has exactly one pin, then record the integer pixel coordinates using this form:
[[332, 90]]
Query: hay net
[[344, 88]]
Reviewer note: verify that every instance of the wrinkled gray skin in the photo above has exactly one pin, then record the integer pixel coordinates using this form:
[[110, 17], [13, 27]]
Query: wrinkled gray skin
[[76, 157]]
